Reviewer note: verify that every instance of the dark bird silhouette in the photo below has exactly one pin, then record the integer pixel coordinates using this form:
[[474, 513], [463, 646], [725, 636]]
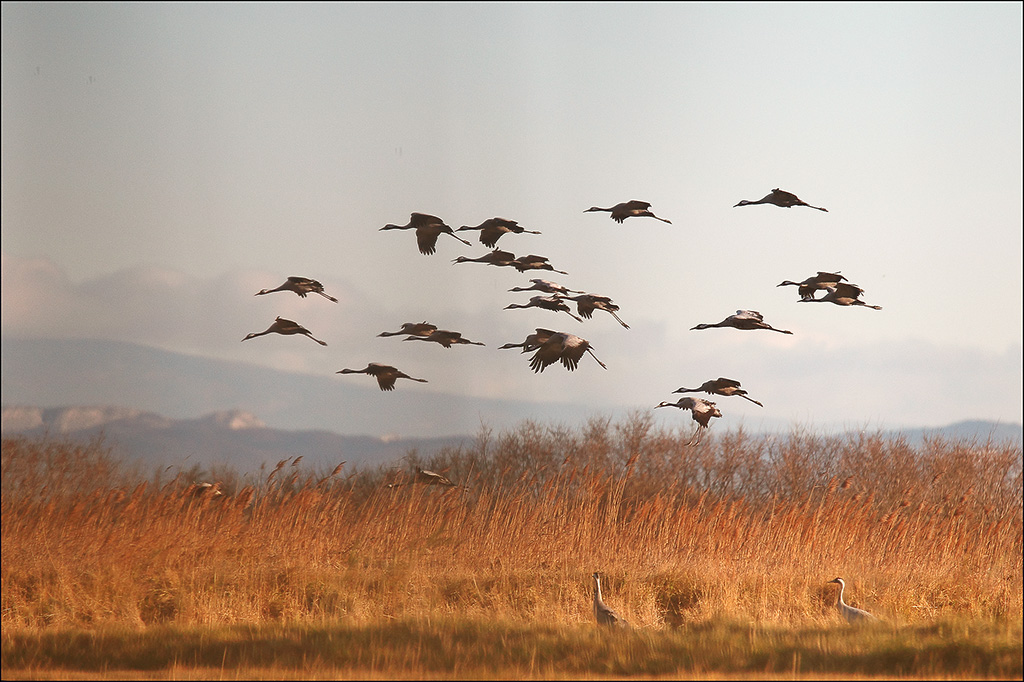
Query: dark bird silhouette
[[532, 342], [563, 347], [532, 262], [547, 286], [428, 229], [720, 386], [492, 229], [444, 337], [301, 286], [283, 326], [843, 293], [821, 281], [702, 411], [602, 613], [781, 198], [496, 257], [586, 304], [743, 319], [553, 303], [412, 329], [629, 209], [386, 375]]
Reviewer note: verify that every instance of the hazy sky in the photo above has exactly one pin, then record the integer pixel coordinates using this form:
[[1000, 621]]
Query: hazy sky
[[163, 162]]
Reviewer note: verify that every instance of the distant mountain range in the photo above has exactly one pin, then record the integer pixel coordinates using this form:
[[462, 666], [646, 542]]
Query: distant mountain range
[[182, 407], [235, 439], [240, 441], [56, 373]]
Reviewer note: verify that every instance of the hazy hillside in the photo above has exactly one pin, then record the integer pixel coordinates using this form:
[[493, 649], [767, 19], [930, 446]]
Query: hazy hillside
[[55, 373], [233, 438]]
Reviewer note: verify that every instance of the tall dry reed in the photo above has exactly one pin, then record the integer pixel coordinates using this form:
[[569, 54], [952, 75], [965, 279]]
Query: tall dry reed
[[741, 527]]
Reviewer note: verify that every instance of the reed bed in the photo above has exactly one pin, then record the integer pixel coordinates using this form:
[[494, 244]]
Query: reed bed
[[741, 529]]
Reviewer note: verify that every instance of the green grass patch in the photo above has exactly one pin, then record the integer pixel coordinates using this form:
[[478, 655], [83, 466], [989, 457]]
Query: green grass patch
[[462, 648]]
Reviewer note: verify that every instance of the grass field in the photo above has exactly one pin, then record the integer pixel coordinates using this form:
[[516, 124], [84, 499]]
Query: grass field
[[717, 554]]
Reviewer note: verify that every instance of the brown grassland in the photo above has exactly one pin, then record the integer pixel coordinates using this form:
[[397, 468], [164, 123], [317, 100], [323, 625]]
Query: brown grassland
[[717, 554]]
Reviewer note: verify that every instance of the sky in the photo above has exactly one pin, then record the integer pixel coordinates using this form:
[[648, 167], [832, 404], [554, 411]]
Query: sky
[[162, 162]]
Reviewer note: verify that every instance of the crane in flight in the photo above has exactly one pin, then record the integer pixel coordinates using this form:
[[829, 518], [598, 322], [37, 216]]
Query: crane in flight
[[386, 375], [445, 338], [492, 229], [283, 326], [702, 411], [428, 229], [844, 294], [819, 282], [720, 386], [629, 209], [743, 319], [780, 197], [301, 286]]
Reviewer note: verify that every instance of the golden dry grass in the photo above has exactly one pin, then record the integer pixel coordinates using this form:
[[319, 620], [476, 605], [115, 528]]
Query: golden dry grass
[[737, 535]]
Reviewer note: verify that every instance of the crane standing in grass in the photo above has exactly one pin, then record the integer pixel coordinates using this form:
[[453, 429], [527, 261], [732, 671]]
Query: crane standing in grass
[[850, 613], [602, 612]]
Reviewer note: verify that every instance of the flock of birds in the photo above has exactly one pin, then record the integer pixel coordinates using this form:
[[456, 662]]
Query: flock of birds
[[551, 346]]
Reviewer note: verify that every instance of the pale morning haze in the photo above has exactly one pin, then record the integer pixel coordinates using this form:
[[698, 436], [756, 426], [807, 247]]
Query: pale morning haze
[[164, 162]]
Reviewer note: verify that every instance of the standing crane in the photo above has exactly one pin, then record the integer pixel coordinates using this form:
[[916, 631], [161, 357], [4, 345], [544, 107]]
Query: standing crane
[[560, 346], [720, 386], [301, 286], [820, 282], [743, 319], [553, 303], [283, 326], [602, 612], [428, 229], [702, 411], [844, 294], [781, 198], [586, 304], [850, 613], [386, 375], [444, 337], [492, 229], [629, 209]]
